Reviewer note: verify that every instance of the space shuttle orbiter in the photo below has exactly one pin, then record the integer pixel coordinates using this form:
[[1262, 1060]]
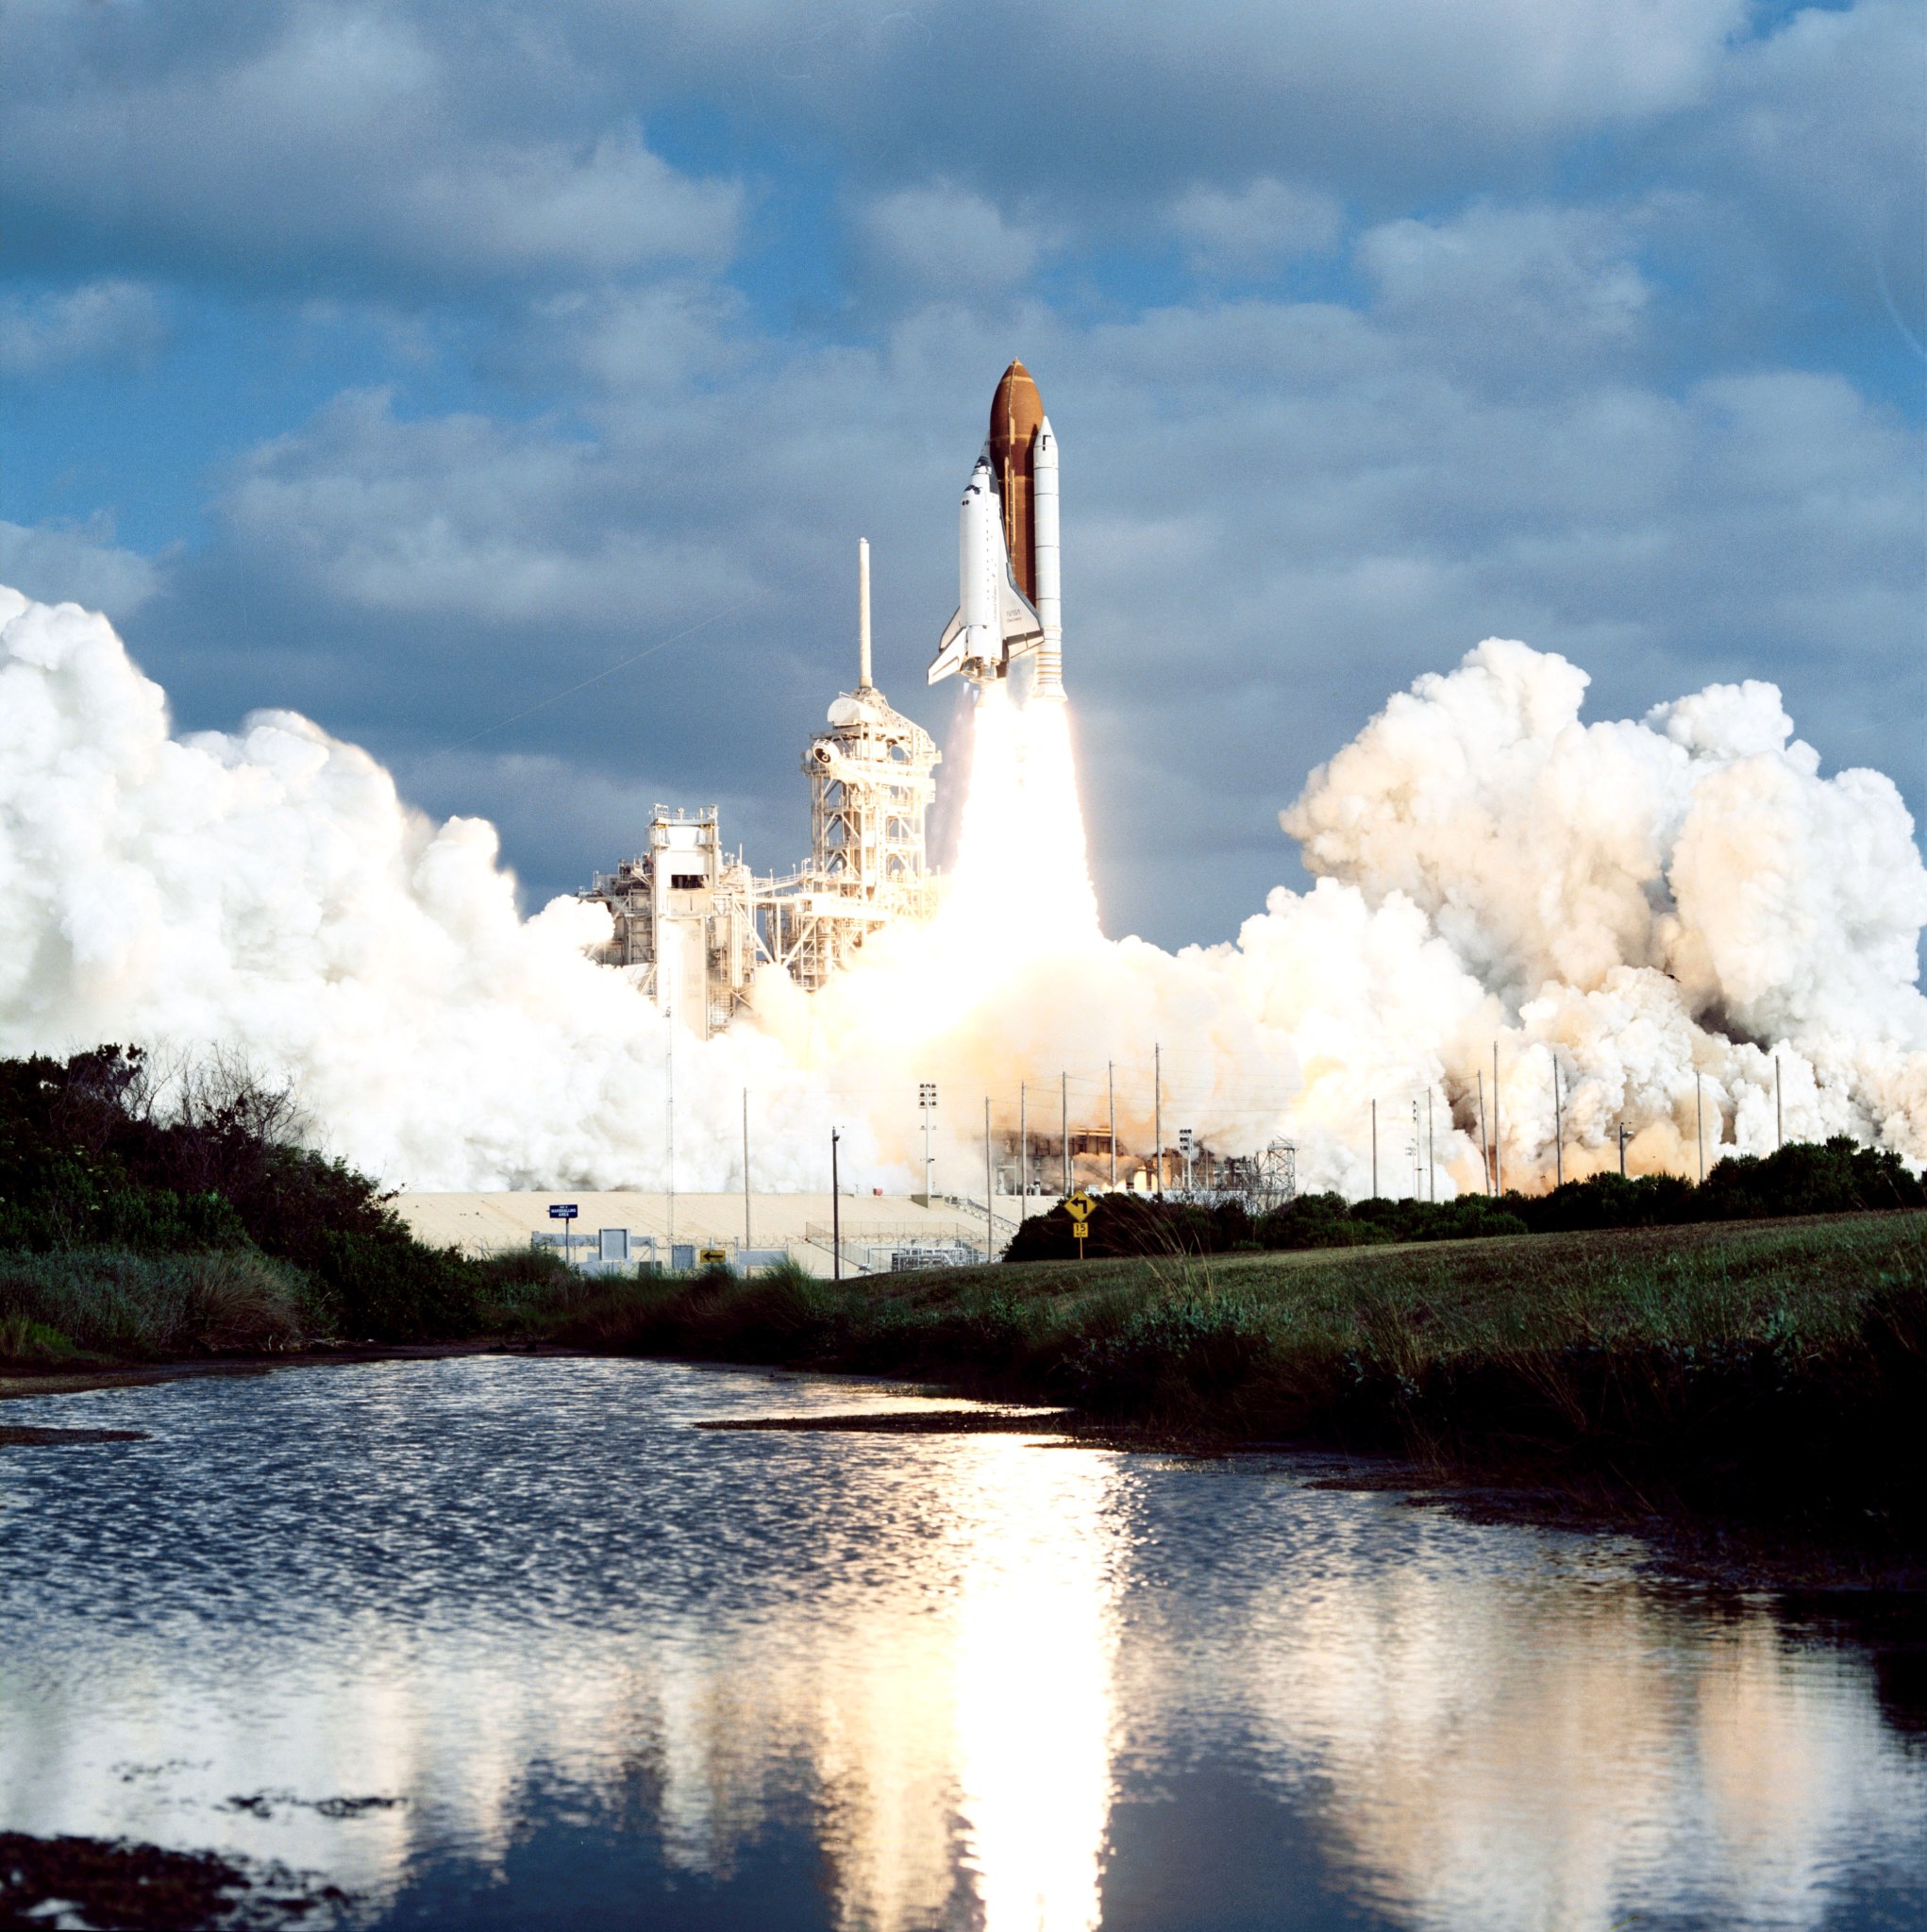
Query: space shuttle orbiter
[[1007, 549]]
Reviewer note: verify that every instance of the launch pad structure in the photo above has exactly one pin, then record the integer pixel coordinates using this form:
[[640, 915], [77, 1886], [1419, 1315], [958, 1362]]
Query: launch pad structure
[[691, 923]]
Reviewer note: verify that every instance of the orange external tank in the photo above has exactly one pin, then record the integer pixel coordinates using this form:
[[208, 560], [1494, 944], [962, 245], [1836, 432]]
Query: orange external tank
[[1017, 412]]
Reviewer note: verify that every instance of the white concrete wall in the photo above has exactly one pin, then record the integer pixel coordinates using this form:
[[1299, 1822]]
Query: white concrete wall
[[486, 1223]]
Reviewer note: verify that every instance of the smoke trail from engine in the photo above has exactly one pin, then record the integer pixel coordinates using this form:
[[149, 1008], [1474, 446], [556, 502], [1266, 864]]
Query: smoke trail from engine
[[1669, 910]]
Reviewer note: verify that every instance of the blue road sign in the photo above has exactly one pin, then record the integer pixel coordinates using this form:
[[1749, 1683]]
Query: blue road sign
[[561, 1210]]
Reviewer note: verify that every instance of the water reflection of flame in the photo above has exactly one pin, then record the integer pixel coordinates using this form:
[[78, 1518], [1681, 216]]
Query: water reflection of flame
[[1033, 1660]]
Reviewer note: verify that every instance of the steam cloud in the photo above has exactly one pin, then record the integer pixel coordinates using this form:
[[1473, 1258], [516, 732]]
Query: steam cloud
[[1657, 903]]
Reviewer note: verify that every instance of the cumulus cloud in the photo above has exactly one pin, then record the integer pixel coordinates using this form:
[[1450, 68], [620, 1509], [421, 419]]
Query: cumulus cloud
[[352, 138], [109, 321], [78, 563], [943, 240], [1511, 290], [1251, 229], [540, 525]]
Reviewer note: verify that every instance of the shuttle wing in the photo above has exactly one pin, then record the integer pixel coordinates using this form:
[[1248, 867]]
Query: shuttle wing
[[949, 657]]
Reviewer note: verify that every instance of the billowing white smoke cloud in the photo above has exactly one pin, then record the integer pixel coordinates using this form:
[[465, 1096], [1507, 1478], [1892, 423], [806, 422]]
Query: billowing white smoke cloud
[[269, 894], [1649, 902]]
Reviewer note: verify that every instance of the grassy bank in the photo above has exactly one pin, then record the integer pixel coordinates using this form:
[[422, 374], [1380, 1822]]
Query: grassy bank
[[1773, 1371]]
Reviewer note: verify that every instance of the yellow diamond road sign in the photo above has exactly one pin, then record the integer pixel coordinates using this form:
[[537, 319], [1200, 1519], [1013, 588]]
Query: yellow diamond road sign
[[1080, 1207]]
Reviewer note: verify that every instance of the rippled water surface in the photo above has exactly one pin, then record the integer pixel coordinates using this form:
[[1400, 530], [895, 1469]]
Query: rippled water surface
[[602, 1669]]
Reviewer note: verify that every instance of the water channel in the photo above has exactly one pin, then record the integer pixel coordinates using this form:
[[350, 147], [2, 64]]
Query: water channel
[[594, 1668]]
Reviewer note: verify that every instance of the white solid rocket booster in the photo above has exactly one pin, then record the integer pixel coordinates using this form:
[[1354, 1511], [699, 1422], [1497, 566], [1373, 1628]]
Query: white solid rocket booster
[[1049, 616]]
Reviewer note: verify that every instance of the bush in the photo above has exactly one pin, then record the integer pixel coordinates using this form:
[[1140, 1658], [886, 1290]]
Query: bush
[[1835, 1177], [111, 1302]]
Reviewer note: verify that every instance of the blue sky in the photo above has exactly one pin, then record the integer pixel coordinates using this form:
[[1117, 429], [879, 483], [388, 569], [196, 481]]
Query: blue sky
[[409, 364]]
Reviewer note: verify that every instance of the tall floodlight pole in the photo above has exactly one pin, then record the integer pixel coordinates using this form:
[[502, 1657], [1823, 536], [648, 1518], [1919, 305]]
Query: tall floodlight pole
[[1484, 1144], [1110, 1099], [1023, 1156], [669, 1104], [1064, 1130], [1700, 1122], [835, 1211], [989, 1213], [1778, 1118], [1622, 1150], [745, 1167], [1498, 1154], [926, 1099], [1375, 1150], [1158, 1111], [1431, 1150]]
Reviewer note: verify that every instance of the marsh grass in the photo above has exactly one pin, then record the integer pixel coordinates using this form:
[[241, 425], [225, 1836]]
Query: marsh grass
[[109, 1302]]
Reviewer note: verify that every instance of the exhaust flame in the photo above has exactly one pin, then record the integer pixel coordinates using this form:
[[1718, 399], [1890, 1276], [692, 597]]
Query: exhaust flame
[[1668, 909]]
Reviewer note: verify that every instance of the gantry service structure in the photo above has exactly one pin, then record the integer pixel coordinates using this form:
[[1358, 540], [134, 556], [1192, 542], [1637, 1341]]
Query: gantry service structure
[[693, 926]]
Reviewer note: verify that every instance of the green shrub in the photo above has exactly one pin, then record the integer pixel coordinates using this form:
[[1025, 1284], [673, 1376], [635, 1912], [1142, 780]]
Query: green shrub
[[111, 1302]]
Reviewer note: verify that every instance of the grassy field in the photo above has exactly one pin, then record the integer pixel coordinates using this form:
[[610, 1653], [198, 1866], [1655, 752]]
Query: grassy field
[[1776, 1370]]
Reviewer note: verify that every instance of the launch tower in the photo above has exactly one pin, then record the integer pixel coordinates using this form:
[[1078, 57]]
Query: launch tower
[[870, 789], [692, 926]]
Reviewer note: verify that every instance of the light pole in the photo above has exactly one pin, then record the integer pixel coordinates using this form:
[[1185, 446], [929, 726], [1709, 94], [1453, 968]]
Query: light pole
[[1110, 1094], [1064, 1131], [1023, 1154], [989, 1212], [1184, 1148], [1497, 1156], [835, 1211], [1157, 1112], [926, 1099]]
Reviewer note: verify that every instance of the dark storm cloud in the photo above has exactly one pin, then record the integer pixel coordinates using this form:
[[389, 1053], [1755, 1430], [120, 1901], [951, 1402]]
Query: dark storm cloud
[[1368, 330]]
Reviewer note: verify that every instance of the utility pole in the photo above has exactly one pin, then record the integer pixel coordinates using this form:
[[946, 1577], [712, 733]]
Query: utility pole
[[669, 1102], [835, 1210], [1375, 1150], [1778, 1118], [1110, 1094], [1484, 1145], [1023, 1157], [926, 1099], [1158, 1111], [1700, 1122], [745, 1166], [1063, 1127], [1498, 1157], [989, 1212], [1431, 1152], [1622, 1150], [1558, 1130]]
